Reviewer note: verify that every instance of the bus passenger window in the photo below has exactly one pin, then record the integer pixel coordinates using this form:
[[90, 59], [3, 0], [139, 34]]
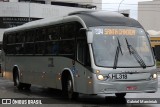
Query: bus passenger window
[[30, 36], [11, 39], [55, 48], [52, 47], [29, 48], [40, 35], [29, 42], [53, 33]]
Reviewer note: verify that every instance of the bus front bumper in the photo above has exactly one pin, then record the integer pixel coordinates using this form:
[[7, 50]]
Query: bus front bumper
[[125, 87]]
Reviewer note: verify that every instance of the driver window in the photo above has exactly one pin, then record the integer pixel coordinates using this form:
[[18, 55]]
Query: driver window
[[82, 49], [83, 53]]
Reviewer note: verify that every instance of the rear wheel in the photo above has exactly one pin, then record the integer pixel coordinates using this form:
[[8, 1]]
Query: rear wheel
[[120, 95]]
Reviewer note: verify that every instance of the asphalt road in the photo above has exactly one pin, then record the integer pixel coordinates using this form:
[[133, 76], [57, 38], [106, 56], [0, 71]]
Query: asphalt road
[[54, 98]]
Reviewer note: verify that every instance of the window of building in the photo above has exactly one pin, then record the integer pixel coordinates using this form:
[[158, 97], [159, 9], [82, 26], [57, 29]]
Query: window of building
[[33, 1]]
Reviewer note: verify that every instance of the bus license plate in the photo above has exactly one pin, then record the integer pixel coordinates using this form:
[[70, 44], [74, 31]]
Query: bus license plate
[[118, 76]]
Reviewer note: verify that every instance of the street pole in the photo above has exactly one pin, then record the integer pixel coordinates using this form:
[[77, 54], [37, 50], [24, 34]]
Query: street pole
[[29, 11], [119, 5]]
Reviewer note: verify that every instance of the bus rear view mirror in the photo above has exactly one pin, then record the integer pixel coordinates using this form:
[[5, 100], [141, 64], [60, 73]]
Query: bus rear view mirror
[[88, 33], [89, 37]]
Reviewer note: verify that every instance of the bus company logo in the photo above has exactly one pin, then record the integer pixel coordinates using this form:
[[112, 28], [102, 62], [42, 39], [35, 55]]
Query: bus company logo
[[6, 101]]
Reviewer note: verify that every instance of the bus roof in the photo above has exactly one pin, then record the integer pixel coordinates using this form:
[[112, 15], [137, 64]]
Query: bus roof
[[105, 18], [86, 18]]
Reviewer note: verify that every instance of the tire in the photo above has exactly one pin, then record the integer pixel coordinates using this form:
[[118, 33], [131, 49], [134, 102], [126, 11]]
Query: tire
[[120, 95], [69, 89], [17, 83], [27, 86]]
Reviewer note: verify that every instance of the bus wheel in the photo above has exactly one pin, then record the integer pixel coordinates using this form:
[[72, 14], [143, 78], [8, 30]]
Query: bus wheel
[[17, 83], [27, 86], [70, 93], [120, 95]]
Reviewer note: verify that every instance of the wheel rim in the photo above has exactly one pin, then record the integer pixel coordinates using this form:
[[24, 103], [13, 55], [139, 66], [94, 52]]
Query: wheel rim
[[69, 89]]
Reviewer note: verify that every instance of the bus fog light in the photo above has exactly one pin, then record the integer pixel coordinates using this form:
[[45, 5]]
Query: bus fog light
[[154, 76]]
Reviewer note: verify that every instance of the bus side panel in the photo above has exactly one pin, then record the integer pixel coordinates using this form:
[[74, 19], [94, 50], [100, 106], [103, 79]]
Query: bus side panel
[[7, 68], [83, 79]]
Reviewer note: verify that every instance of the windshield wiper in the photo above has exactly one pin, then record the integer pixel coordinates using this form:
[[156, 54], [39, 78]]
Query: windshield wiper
[[117, 54], [135, 54]]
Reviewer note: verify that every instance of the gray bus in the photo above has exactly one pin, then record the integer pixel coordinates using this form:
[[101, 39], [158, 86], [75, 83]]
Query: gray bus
[[89, 52]]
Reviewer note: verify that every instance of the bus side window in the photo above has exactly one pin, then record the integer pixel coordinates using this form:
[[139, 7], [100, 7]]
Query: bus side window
[[40, 34], [19, 43], [11, 47], [29, 42], [52, 40], [40, 41]]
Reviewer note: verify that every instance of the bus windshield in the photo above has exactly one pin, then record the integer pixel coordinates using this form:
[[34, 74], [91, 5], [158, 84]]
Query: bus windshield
[[120, 46]]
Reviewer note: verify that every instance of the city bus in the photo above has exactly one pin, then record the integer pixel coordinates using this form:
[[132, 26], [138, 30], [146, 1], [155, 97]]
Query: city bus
[[84, 52]]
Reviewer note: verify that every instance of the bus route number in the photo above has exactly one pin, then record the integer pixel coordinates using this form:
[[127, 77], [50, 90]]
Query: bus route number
[[118, 76], [99, 31]]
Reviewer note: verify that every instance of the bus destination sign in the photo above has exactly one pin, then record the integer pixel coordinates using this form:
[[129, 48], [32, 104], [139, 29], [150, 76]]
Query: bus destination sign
[[125, 32]]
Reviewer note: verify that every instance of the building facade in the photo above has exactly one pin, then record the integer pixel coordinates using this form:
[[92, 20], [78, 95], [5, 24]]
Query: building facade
[[70, 3], [14, 13], [148, 16]]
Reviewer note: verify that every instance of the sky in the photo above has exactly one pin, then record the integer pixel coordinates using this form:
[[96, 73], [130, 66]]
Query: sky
[[112, 5]]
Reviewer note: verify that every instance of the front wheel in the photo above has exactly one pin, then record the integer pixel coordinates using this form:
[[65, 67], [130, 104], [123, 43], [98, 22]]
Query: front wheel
[[120, 95], [17, 83], [69, 89], [27, 86]]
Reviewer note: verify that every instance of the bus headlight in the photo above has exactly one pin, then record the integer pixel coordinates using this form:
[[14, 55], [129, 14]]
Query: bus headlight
[[101, 77], [154, 76]]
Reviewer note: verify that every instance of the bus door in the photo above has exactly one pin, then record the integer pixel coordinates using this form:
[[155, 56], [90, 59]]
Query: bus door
[[83, 62]]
